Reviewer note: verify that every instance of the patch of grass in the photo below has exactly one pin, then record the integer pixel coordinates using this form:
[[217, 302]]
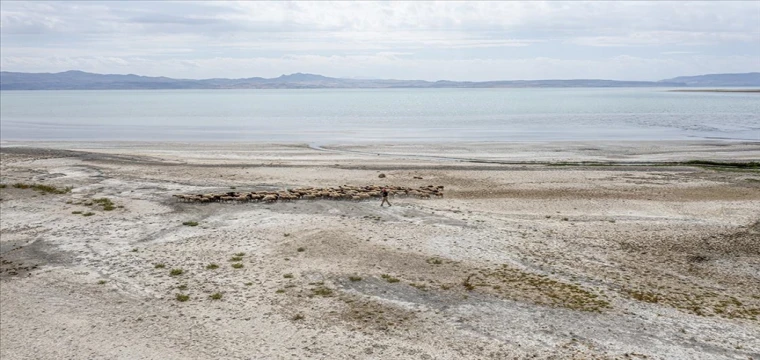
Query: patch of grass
[[280, 291], [232, 187], [237, 265], [88, 214], [241, 254], [565, 219], [297, 317], [76, 212], [101, 282], [288, 276], [160, 266], [45, 189], [215, 296], [190, 223], [134, 250], [354, 278], [248, 284], [107, 204], [236, 258], [301, 249], [738, 165], [467, 284], [176, 272], [212, 266], [3, 186], [389, 278], [322, 291], [286, 234], [434, 261], [182, 287], [182, 297]]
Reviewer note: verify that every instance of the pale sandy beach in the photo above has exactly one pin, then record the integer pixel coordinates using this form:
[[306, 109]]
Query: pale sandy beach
[[593, 250]]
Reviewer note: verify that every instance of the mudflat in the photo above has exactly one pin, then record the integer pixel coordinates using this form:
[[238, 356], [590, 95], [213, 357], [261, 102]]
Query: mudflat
[[536, 250]]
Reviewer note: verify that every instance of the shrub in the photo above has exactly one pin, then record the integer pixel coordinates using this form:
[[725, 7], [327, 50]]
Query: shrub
[[354, 278], [212, 266], [322, 291], [182, 297], [176, 272], [301, 249], [88, 214], [389, 278], [190, 223], [76, 212], [182, 287], [240, 254], [101, 282], [160, 266], [288, 276], [215, 296], [297, 317], [237, 265], [236, 258]]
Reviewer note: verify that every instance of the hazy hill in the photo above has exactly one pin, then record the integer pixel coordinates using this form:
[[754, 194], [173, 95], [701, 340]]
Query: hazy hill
[[79, 80], [747, 79]]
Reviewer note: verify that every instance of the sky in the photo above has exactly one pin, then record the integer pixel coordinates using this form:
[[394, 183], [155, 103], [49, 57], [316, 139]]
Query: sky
[[476, 41]]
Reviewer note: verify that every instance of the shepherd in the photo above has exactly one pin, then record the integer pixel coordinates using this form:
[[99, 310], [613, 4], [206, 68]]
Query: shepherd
[[385, 197]]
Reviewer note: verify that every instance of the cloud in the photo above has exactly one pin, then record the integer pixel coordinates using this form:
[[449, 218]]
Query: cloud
[[393, 37]]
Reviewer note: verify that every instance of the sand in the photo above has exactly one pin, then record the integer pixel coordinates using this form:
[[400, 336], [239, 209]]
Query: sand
[[535, 251]]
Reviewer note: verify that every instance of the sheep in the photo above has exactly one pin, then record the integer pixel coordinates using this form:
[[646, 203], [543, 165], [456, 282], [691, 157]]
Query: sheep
[[269, 198]]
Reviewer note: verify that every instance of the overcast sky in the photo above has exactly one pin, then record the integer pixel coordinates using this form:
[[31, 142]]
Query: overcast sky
[[402, 40]]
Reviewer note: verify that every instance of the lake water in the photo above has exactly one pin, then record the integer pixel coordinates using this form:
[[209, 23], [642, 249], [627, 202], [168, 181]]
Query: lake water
[[379, 115]]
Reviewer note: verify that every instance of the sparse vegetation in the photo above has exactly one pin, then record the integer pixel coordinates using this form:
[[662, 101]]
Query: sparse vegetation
[[322, 291], [134, 250], [301, 249], [434, 261], [236, 258], [389, 278], [190, 223], [182, 297], [182, 287], [288, 276], [88, 214], [212, 266], [241, 254], [286, 234], [237, 265], [107, 204], [280, 291], [297, 317], [248, 284], [3, 186], [45, 189], [215, 296], [176, 272], [101, 282], [160, 266], [76, 212], [354, 278]]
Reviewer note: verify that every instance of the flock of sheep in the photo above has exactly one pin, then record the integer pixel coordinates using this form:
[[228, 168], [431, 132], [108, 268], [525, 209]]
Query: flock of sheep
[[346, 192]]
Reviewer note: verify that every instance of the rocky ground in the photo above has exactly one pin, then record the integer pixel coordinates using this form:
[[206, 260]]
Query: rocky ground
[[532, 253]]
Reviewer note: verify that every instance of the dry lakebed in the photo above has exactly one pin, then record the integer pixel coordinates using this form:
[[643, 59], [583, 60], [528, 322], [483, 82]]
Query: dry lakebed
[[626, 250]]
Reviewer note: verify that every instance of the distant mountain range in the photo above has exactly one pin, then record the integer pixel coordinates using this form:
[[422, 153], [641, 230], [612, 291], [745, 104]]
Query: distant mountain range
[[79, 80]]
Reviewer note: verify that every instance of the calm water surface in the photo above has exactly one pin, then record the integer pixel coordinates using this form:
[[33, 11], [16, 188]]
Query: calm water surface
[[384, 115]]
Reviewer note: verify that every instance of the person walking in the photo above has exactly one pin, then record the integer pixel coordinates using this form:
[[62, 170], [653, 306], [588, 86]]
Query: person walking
[[385, 197]]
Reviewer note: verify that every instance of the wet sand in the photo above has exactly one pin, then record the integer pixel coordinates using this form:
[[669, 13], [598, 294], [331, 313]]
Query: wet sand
[[537, 250]]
